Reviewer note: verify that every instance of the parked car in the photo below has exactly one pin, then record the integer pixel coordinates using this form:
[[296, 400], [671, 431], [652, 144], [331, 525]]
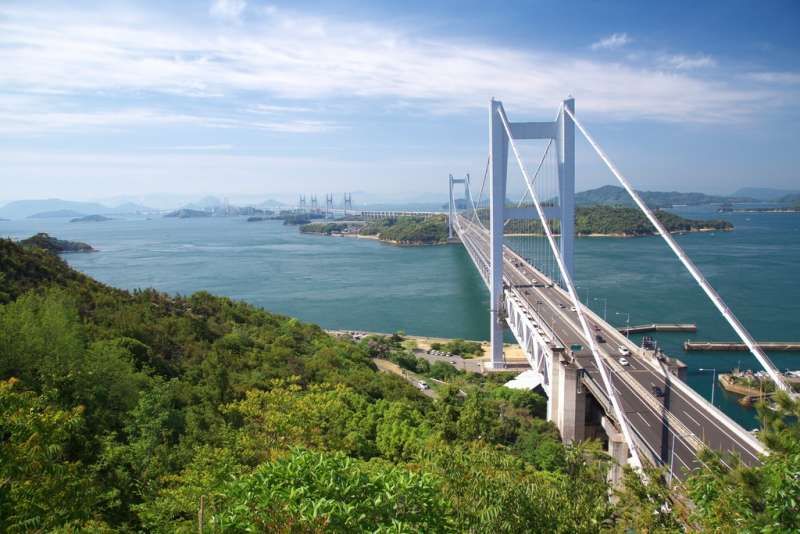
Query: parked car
[[422, 385], [624, 361]]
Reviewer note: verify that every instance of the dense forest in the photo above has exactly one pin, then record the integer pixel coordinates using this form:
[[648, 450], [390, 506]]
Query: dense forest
[[139, 411]]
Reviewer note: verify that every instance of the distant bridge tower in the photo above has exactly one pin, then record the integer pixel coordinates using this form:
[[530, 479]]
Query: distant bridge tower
[[348, 202], [453, 208], [562, 132], [302, 204], [314, 204], [329, 206]]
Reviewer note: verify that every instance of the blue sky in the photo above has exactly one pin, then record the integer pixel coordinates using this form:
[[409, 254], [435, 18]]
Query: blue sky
[[248, 98]]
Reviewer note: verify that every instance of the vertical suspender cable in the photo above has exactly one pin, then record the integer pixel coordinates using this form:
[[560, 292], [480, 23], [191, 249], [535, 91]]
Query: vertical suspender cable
[[573, 296], [712, 294]]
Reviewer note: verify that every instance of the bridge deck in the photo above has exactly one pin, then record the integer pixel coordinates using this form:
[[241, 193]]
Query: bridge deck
[[670, 429]]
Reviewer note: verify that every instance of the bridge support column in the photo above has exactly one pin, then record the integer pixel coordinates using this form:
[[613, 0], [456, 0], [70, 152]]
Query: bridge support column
[[618, 450], [498, 168], [566, 185], [570, 414]]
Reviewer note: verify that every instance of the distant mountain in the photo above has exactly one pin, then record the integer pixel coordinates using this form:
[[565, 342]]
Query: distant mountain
[[765, 193], [21, 209], [56, 214], [204, 203], [614, 195], [791, 198]]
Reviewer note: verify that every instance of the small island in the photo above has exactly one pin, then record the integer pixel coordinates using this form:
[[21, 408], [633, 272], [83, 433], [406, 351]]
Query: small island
[[54, 245], [403, 230], [91, 218]]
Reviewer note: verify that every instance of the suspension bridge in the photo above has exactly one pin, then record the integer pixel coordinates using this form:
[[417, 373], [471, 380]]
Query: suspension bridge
[[599, 384]]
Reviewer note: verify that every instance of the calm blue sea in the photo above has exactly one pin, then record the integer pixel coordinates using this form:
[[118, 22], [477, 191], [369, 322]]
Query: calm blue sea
[[363, 284]]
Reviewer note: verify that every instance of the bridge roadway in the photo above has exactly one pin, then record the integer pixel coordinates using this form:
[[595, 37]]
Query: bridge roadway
[[669, 430]]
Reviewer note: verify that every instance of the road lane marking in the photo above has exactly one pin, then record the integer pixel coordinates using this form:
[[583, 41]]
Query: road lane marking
[[643, 419], [690, 417]]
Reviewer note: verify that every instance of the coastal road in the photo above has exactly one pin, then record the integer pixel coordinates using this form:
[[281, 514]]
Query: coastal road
[[671, 426]]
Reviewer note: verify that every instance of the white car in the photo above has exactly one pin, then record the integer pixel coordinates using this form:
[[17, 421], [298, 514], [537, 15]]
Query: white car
[[572, 308], [623, 350], [624, 361]]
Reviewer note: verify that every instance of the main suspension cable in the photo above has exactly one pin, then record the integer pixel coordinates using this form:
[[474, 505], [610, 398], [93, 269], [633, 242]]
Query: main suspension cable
[[712, 294]]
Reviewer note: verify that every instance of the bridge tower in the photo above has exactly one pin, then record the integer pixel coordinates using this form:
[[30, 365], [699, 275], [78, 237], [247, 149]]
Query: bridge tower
[[452, 206], [314, 204], [302, 204], [562, 132], [348, 202], [329, 206]]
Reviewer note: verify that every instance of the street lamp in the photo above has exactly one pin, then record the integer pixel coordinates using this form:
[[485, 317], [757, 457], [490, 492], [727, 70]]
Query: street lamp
[[627, 323], [605, 305], [713, 382]]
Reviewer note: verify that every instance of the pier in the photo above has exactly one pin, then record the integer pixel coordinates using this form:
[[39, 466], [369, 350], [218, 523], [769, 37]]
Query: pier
[[731, 346], [659, 327]]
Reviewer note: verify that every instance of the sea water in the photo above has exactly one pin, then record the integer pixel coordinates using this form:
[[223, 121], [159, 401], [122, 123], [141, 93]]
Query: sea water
[[360, 284]]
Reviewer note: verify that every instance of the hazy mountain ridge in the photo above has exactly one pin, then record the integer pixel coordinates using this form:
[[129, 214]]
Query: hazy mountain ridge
[[615, 195], [766, 193], [21, 209]]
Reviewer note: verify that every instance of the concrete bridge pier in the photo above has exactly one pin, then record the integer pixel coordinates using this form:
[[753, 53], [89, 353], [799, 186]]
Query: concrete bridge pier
[[618, 450], [567, 403]]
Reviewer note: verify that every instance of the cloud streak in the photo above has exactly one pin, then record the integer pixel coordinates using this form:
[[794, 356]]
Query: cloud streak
[[280, 57], [613, 41]]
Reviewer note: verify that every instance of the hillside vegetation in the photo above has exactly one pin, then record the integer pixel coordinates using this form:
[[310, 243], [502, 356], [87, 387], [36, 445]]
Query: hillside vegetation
[[409, 230], [124, 411]]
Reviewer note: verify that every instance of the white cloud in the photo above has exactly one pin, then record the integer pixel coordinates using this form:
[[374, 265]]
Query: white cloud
[[285, 57], [615, 40], [682, 62], [776, 77], [200, 148], [227, 9]]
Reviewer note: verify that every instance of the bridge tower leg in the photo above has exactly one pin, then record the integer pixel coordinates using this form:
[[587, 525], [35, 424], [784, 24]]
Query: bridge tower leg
[[450, 211], [566, 184], [498, 169]]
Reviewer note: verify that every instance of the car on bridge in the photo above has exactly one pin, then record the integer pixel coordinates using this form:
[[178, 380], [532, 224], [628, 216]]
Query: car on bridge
[[623, 350], [624, 361]]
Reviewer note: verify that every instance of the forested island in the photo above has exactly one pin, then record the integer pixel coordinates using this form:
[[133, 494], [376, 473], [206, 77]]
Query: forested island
[[620, 221], [403, 230], [140, 411], [91, 218], [54, 245]]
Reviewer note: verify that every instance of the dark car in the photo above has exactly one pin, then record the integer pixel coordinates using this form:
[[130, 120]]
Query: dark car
[[658, 392], [600, 338]]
